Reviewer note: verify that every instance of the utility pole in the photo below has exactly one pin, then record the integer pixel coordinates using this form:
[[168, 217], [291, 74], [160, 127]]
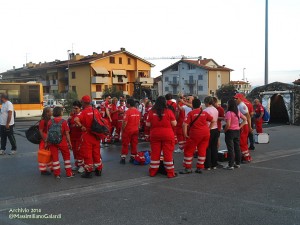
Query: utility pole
[[266, 47]]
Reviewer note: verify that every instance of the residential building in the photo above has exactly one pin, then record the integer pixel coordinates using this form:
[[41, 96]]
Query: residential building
[[158, 85], [87, 74], [242, 86], [200, 77]]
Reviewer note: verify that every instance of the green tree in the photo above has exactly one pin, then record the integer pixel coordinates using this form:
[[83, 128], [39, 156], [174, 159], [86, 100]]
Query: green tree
[[113, 92], [67, 103], [225, 92]]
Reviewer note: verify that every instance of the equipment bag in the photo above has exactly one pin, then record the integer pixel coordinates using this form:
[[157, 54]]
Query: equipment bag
[[54, 133], [222, 155], [33, 134], [262, 138], [266, 116], [142, 158], [99, 127], [44, 156]]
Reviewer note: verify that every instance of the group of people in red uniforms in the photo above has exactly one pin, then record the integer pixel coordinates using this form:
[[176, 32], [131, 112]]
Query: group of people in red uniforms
[[195, 128]]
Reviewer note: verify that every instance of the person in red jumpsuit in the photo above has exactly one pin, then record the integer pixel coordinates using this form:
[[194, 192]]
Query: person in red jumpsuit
[[246, 157], [105, 109], [130, 131], [148, 107], [172, 105], [114, 112], [90, 145], [180, 116], [43, 128], [161, 121], [63, 146], [122, 108], [197, 133], [75, 135], [259, 113]]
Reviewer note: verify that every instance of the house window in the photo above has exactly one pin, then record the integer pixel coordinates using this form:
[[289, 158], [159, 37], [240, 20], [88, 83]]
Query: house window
[[166, 79], [174, 68], [191, 67], [142, 74], [112, 60], [98, 88], [73, 75], [166, 88], [200, 77], [120, 79], [74, 88], [54, 82], [200, 88], [129, 61], [120, 60]]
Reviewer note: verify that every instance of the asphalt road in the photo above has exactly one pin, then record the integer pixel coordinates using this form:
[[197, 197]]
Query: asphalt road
[[267, 191]]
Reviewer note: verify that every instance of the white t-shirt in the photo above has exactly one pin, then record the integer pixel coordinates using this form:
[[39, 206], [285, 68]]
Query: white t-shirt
[[186, 109], [142, 109], [214, 113], [7, 106], [243, 109]]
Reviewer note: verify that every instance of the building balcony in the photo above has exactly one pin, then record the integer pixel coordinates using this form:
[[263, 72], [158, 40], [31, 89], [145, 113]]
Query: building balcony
[[190, 82], [125, 93], [120, 80], [174, 83], [45, 83], [100, 80], [145, 81], [53, 82], [97, 94]]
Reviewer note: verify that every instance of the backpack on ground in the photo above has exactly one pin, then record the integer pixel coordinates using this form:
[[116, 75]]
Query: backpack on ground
[[33, 134], [54, 133], [142, 158], [266, 116]]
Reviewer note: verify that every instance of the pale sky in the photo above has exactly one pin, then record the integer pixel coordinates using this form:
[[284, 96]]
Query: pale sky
[[229, 31]]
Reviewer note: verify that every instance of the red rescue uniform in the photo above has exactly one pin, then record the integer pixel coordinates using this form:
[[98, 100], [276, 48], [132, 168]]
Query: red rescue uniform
[[161, 140], [75, 136], [199, 134], [221, 114], [43, 125], [180, 116], [106, 105], [63, 147], [146, 129], [114, 118], [259, 121], [90, 143], [130, 132], [173, 106]]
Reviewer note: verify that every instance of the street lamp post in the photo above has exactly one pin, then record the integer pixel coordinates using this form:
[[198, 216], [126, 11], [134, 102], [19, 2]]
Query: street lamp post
[[266, 47]]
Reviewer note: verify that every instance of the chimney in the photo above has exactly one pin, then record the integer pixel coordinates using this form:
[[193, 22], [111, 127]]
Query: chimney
[[123, 49], [223, 65], [103, 53], [95, 53], [109, 51]]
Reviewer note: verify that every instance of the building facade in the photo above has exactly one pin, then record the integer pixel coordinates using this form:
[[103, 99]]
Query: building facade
[[194, 77], [87, 74], [242, 86]]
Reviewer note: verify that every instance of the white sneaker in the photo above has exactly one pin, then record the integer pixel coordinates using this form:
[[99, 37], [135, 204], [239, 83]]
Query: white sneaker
[[81, 169], [2, 152], [13, 152]]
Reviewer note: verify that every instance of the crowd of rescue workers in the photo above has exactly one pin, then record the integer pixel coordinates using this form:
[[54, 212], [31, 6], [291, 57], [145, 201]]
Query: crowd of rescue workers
[[193, 126]]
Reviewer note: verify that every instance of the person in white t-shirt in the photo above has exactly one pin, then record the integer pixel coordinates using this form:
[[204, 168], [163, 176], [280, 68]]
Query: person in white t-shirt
[[7, 125], [211, 160]]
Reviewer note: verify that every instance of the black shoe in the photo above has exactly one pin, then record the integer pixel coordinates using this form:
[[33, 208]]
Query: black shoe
[[185, 171], [86, 175], [252, 148], [45, 173], [122, 161], [98, 173], [131, 160], [198, 170]]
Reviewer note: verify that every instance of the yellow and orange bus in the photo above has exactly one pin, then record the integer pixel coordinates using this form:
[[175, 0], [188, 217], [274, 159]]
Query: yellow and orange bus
[[27, 98]]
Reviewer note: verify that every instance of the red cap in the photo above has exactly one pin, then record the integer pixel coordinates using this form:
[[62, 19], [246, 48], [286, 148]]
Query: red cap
[[86, 99], [239, 95]]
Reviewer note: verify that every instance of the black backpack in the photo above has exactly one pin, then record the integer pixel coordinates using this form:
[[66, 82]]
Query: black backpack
[[33, 134], [98, 128]]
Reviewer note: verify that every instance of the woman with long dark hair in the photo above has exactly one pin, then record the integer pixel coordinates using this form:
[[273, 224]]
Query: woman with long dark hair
[[161, 121], [234, 122]]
